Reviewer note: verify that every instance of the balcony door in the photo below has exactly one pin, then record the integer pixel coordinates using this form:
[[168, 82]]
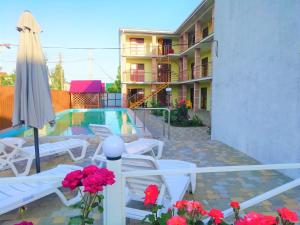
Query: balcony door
[[204, 98], [204, 63], [163, 72], [137, 72], [167, 46], [137, 46]]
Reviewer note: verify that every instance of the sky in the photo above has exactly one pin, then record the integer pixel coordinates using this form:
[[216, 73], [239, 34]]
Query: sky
[[89, 23]]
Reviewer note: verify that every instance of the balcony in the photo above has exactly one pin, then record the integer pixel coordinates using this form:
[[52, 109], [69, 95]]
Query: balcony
[[149, 50], [136, 76]]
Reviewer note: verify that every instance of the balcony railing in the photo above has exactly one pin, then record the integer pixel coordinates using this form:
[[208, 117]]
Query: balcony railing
[[149, 50], [204, 70]]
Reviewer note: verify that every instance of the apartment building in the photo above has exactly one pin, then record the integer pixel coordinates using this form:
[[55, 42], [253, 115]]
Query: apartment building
[[254, 81], [164, 66]]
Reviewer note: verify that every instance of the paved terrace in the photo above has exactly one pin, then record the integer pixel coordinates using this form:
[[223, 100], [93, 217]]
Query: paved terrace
[[213, 190]]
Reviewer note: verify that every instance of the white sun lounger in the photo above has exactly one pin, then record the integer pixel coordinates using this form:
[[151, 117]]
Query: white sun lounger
[[139, 146], [172, 187], [17, 153], [15, 195]]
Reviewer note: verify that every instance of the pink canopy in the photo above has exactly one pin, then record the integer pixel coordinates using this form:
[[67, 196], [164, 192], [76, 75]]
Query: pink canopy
[[85, 86]]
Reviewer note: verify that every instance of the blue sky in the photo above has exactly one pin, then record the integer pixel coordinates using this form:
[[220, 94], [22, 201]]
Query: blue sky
[[89, 23]]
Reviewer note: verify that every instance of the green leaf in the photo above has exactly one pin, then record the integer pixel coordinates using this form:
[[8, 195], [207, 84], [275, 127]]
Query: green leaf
[[75, 220], [100, 209], [89, 220], [100, 197], [210, 222], [94, 205]]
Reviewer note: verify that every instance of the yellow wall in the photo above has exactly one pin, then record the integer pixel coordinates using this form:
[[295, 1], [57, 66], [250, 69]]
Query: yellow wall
[[174, 70]]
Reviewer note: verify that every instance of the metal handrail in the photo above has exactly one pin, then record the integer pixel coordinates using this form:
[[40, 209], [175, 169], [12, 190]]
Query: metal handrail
[[144, 118]]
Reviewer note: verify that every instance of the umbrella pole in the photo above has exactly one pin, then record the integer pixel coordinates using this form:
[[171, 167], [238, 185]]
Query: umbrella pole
[[37, 151]]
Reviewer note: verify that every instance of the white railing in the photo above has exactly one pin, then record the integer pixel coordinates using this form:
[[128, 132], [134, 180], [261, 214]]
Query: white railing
[[114, 213]]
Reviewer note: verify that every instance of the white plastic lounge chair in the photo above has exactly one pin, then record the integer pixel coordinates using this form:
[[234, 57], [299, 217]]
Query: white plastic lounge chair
[[13, 196], [140, 146], [17, 153], [172, 187]]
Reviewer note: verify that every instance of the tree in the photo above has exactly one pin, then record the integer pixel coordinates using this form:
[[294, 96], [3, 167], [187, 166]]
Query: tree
[[116, 87], [8, 80], [57, 78]]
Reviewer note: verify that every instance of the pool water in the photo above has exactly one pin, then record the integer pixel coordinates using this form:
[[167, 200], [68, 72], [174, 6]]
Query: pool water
[[76, 122]]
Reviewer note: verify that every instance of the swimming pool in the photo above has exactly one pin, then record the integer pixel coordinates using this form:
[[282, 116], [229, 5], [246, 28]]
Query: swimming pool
[[76, 122]]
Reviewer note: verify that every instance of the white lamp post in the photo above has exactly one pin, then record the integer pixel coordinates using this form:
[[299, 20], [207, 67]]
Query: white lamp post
[[169, 90], [113, 147]]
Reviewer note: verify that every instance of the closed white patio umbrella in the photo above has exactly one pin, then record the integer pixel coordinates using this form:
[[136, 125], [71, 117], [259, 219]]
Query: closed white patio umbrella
[[32, 97]]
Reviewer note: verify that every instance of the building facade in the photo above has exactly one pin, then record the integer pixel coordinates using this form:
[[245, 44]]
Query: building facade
[[256, 86], [244, 55], [164, 67]]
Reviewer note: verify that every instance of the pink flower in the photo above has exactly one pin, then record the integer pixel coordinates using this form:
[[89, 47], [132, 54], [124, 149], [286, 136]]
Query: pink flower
[[177, 220], [216, 215], [194, 206], [24, 223], [151, 194], [73, 179], [288, 215], [254, 218]]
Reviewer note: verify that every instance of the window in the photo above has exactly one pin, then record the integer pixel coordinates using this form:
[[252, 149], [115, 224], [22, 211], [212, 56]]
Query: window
[[205, 32], [204, 67], [204, 98], [137, 46], [192, 70], [137, 72]]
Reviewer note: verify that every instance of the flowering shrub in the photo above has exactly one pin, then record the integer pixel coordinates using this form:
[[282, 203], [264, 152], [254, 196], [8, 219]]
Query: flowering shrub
[[186, 212], [89, 182], [180, 116], [24, 223]]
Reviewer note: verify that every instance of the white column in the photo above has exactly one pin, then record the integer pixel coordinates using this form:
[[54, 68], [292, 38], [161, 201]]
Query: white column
[[114, 207]]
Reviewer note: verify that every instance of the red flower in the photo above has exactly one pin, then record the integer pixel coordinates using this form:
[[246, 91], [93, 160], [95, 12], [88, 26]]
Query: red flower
[[73, 179], [181, 204], [89, 170], [24, 223], [94, 183], [177, 220], [151, 194], [288, 215], [254, 218], [235, 205], [216, 215], [107, 174]]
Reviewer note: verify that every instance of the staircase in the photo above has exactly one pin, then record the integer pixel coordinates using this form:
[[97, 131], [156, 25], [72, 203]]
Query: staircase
[[146, 98], [162, 59]]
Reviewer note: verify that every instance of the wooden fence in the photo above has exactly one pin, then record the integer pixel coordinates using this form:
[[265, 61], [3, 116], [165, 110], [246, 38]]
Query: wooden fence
[[60, 101]]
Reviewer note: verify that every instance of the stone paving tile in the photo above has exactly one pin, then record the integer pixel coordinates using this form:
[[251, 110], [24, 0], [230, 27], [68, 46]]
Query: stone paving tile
[[213, 190]]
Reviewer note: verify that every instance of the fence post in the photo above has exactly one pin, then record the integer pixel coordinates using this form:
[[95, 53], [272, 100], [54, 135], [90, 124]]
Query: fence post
[[113, 147]]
